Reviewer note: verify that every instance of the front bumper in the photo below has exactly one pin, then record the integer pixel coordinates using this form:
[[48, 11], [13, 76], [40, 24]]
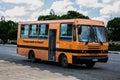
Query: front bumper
[[82, 60]]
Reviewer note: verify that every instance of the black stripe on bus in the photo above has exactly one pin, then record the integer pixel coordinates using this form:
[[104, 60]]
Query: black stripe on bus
[[81, 51], [64, 50], [33, 47]]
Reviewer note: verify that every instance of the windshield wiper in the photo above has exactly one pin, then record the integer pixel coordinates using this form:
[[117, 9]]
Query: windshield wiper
[[87, 42], [92, 37], [98, 39]]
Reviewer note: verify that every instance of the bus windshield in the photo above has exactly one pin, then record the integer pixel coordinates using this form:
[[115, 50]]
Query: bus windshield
[[92, 34]]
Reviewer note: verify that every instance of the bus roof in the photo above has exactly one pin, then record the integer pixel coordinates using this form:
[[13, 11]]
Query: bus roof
[[76, 21]]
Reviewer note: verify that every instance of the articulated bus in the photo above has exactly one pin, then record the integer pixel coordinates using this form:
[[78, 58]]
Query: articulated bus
[[72, 41]]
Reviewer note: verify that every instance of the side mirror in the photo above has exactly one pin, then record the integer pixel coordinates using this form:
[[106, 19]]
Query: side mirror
[[74, 34]]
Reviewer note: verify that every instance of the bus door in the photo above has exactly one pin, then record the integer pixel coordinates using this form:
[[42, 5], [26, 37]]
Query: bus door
[[52, 45]]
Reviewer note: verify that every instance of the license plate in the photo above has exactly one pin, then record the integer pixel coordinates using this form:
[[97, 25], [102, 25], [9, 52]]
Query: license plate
[[94, 59]]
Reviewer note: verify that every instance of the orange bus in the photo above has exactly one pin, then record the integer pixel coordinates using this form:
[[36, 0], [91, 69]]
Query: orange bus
[[72, 41]]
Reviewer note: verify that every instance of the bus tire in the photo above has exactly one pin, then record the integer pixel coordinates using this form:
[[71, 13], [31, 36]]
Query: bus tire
[[90, 64], [32, 56], [64, 61]]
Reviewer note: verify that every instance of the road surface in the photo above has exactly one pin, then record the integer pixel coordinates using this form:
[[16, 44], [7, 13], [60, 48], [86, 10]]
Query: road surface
[[13, 66]]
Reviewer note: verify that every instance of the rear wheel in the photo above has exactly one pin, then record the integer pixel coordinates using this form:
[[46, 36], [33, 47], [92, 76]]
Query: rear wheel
[[90, 64], [64, 61], [32, 56]]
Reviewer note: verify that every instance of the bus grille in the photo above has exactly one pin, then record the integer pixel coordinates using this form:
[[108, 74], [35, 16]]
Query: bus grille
[[96, 51]]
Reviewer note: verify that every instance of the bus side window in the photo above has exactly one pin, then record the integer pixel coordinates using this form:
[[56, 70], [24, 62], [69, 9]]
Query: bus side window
[[24, 31], [66, 31], [33, 31], [43, 31]]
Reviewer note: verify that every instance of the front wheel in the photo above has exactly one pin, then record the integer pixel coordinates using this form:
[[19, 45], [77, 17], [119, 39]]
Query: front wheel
[[64, 61], [90, 64]]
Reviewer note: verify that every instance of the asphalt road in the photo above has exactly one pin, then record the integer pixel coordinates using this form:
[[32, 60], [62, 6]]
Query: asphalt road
[[17, 67]]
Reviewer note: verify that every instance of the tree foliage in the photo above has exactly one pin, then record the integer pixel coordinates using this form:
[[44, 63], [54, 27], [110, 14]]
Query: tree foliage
[[69, 15], [48, 17], [114, 29], [8, 30], [73, 15], [3, 31]]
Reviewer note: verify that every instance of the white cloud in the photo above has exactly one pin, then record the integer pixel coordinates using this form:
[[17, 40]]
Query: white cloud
[[111, 9], [16, 12], [62, 6], [30, 4], [83, 12], [101, 18], [88, 3], [34, 16], [24, 9], [107, 1], [45, 12], [20, 10], [1, 13], [34, 3]]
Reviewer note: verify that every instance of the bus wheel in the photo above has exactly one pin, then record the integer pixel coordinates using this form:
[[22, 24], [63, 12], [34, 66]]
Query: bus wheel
[[64, 61], [32, 56], [90, 64]]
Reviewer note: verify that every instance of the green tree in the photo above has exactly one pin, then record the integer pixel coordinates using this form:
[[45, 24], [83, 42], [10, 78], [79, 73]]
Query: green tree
[[3, 31], [8, 30], [12, 33], [114, 29], [74, 15], [69, 15], [48, 17]]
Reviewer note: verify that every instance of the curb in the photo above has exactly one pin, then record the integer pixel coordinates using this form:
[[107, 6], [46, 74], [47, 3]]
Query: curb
[[114, 52], [8, 45]]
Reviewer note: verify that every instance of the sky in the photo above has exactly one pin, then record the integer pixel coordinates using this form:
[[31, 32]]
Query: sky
[[29, 10]]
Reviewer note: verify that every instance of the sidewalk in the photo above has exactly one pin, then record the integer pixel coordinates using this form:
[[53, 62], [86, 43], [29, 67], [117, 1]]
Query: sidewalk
[[13, 71], [115, 52], [8, 45]]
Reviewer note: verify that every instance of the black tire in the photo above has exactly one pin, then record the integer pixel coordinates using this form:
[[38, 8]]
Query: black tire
[[90, 64], [64, 61], [32, 57]]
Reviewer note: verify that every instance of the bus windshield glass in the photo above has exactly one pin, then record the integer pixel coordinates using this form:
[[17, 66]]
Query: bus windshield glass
[[92, 34]]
